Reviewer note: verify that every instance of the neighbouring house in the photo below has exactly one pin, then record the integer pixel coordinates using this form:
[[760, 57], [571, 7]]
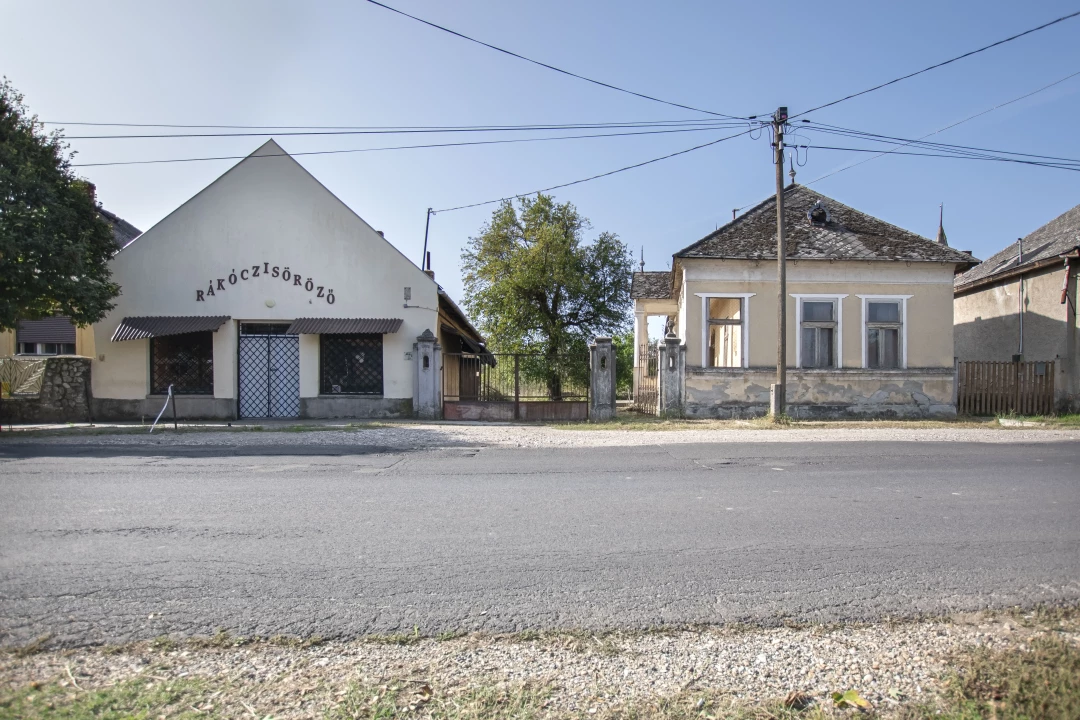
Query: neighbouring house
[[869, 308], [57, 335], [1020, 305], [264, 295]]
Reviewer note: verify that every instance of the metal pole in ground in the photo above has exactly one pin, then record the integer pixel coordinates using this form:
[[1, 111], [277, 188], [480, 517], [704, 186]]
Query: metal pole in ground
[[779, 389]]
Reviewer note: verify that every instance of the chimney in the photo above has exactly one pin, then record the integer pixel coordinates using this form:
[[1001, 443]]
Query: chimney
[[381, 234], [91, 190]]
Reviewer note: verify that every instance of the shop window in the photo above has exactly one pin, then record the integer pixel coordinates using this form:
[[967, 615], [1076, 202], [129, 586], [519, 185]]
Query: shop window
[[184, 361], [817, 334], [350, 364], [724, 332], [884, 334]]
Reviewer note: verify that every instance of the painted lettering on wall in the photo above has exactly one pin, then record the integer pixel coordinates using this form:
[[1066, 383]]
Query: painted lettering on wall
[[283, 275]]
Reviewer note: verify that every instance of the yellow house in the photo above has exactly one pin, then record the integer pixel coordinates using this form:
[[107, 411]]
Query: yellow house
[[869, 308]]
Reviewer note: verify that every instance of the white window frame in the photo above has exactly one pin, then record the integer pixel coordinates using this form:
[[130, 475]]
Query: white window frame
[[902, 299], [744, 311], [838, 298]]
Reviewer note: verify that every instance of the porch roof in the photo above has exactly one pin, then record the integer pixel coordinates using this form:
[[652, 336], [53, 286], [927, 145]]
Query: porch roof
[[139, 328]]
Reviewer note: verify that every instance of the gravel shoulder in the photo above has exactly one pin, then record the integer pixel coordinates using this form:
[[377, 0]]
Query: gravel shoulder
[[890, 665], [420, 436]]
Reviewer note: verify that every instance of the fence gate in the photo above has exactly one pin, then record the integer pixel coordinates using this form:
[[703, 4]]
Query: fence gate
[[646, 379], [269, 362], [515, 386], [998, 388]]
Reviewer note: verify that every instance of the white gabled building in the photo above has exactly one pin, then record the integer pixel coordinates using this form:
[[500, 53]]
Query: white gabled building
[[266, 296]]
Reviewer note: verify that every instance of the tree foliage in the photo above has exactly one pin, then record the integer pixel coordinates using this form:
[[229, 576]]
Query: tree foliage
[[533, 283], [54, 248]]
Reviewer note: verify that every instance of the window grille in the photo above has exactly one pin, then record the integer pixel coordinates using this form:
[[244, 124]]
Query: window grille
[[350, 364], [184, 361]]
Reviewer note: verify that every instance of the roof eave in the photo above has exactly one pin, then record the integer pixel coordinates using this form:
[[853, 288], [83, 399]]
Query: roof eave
[[1014, 272]]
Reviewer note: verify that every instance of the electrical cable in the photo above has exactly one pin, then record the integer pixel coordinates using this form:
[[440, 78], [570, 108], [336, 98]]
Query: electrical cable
[[968, 149], [552, 67], [403, 131], [956, 157], [398, 147], [595, 177], [935, 66], [371, 127]]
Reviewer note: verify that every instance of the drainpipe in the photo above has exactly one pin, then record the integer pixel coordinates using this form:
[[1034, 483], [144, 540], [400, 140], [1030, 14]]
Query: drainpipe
[[1020, 311]]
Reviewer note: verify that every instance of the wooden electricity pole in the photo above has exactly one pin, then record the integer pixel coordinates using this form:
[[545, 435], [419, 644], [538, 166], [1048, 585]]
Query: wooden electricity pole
[[780, 391]]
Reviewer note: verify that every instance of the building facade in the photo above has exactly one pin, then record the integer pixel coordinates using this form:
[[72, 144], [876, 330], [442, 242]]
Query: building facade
[[1020, 304], [869, 314], [266, 296]]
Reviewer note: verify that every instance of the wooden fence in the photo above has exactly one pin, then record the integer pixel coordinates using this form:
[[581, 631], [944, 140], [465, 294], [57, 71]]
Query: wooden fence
[[1000, 388]]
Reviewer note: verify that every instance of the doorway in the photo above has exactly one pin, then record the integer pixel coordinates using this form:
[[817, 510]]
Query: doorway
[[269, 371]]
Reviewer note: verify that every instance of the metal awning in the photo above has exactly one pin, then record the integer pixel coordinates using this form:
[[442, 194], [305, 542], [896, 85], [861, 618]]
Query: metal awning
[[138, 328], [344, 326]]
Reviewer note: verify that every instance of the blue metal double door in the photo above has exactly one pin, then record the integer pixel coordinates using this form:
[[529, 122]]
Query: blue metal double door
[[269, 378]]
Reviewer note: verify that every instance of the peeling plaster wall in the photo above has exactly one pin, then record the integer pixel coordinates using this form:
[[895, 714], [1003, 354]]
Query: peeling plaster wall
[[734, 393], [988, 327]]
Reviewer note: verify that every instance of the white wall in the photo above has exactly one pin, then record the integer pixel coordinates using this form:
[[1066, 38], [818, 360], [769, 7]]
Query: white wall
[[268, 212]]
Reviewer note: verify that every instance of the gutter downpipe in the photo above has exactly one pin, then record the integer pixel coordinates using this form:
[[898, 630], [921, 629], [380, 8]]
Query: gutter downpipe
[[1020, 280]]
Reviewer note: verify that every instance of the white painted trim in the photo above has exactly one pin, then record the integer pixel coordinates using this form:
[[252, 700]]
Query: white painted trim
[[839, 324], [903, 325], [744, 310]]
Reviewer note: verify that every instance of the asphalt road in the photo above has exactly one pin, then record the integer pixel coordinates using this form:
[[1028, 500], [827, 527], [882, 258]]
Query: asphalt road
[[108, 544]]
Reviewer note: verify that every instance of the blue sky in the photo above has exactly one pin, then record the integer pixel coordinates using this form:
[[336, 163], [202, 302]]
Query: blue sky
[[351, 63]]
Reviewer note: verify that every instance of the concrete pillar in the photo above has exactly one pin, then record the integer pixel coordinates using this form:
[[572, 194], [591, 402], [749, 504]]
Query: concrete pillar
[[672, 376], [427, 391], [601, 380]]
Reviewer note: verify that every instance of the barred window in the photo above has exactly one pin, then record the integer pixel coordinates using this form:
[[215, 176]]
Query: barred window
[[350, 364], [184, 361]]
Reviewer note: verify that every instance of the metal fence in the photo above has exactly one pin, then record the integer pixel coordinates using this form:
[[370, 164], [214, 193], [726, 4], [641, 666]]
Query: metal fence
[[523, 386], [646, 379], [995, 388]]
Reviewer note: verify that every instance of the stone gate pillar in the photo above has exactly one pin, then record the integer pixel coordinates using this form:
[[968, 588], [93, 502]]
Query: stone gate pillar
[[601, 380], [427, 391], [672, 384]]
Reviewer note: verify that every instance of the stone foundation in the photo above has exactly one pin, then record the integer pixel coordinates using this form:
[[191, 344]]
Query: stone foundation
[[63, 396], [188, 407], [836, 393], [343, 406]]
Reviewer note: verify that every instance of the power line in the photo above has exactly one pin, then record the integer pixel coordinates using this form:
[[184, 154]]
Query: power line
[[1060, 166], [358, 127], [952, 125], [597, 177], [967, 149], [935, 66], [405, 131], [552, 67], [398, 147]]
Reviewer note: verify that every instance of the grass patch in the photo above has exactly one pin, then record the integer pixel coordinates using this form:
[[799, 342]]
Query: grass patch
[[140, 699], [1041, 682]]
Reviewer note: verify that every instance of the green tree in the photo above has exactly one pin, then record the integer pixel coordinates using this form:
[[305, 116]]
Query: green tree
[[624, 362], [54, 248], [534, 284]]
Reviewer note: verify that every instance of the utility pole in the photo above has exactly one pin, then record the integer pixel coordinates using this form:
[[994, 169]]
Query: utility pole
[[779, 390], [427, 226]]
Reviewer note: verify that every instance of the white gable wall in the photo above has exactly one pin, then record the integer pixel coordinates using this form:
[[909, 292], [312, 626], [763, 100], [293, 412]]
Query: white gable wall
[[266, 213]]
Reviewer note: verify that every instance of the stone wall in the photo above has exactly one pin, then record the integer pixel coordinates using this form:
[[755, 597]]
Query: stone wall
[[836, 393], [65, 390]]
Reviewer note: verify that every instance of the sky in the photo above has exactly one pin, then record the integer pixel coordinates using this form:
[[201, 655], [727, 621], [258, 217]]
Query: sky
[[352, 63]]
